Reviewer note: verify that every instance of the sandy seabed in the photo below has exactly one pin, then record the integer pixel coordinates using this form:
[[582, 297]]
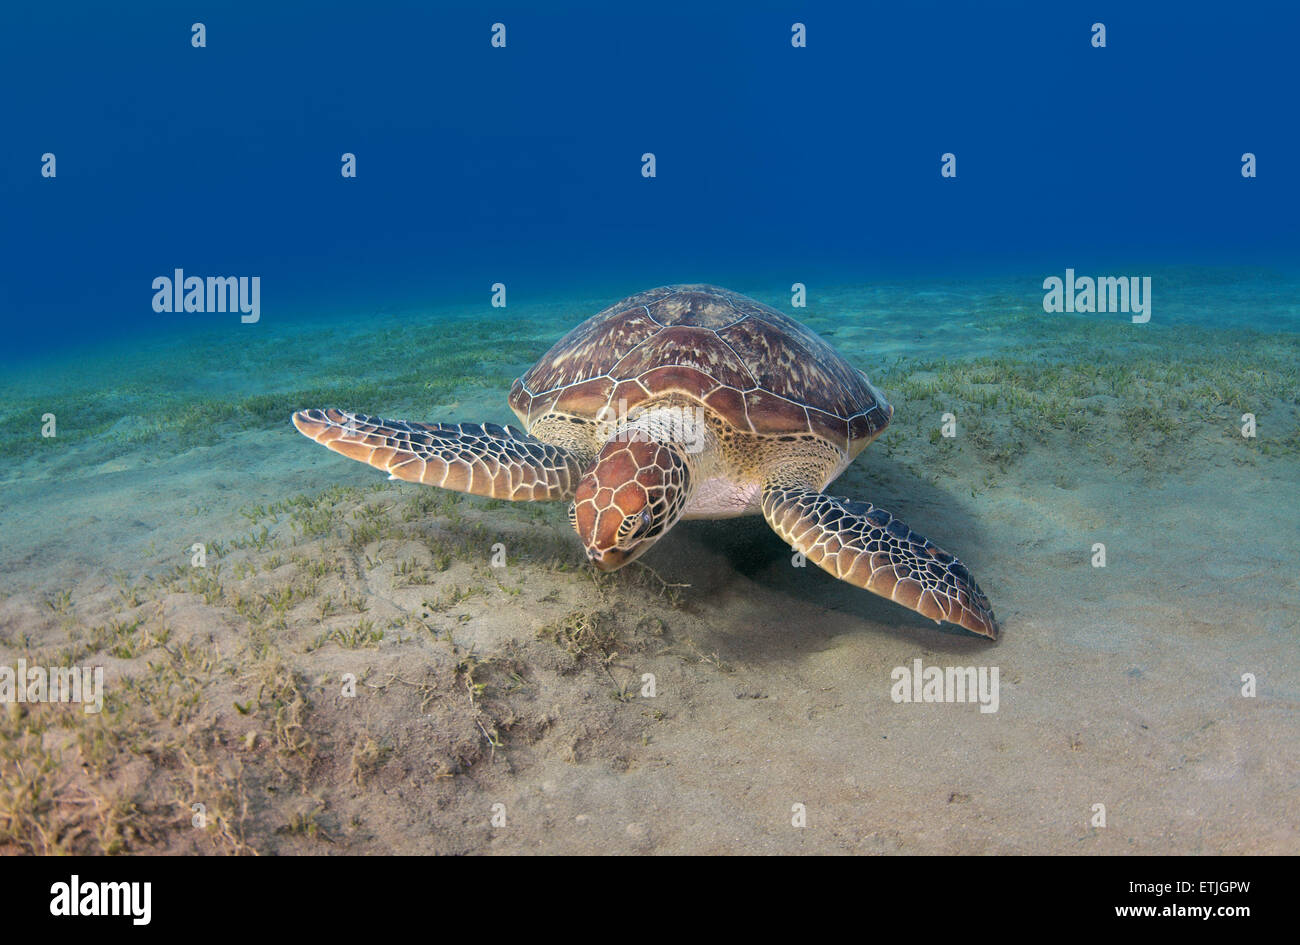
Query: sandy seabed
[[349, 673]]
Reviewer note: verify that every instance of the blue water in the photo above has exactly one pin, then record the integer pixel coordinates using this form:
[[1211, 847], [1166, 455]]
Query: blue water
[[1174, 444], [522, 165]]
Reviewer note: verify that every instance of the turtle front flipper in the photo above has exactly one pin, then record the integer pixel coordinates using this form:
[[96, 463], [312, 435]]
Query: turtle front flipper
[[478, 458], [868, 547]]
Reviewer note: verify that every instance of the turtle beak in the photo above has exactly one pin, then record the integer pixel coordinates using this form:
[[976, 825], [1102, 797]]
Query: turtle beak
[[611, 559]]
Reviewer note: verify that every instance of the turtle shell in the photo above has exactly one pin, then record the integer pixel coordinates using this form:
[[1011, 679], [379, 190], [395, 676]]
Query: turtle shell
[[756, 368]]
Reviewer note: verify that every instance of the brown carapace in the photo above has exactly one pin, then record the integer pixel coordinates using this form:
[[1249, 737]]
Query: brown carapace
[[684, 402]]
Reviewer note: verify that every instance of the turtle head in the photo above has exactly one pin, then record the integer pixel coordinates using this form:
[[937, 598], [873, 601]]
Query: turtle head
[[634, 493]]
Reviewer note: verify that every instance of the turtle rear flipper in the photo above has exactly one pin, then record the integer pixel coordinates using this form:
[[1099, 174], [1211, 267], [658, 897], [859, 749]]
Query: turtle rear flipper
[[478, 458], [870, 548]]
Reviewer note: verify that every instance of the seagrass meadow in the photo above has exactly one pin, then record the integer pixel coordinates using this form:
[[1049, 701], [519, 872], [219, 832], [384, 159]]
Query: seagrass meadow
[[355, 665], [1049, 254]]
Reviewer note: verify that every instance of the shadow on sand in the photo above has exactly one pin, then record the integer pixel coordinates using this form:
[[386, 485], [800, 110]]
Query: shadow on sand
[[743, 555]]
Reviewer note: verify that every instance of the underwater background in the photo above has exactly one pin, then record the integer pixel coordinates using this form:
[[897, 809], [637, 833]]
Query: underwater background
[[774, 165], [523, 165]]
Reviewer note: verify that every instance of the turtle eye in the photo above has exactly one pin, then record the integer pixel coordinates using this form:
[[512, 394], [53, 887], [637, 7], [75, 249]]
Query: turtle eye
[[635, 526], [644, 521]]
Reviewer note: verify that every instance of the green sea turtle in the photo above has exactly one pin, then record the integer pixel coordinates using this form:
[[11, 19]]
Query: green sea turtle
[[683, 402]]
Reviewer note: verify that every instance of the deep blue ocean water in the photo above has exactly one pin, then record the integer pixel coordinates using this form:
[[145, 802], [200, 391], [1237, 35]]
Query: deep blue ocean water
[[523, 164], [1023, 441]]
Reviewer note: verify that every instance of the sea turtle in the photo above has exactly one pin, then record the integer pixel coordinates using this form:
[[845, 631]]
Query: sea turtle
[[685, 401]]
